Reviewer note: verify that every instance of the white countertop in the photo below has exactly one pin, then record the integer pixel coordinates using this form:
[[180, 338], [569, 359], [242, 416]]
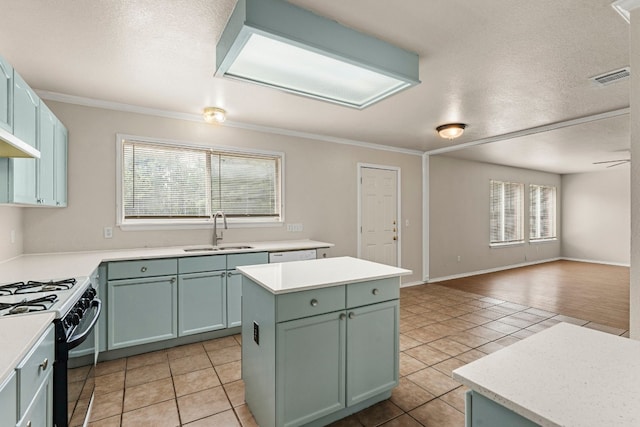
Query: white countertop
[[18, 334], [563, 376], [318, 273], [74, 264]]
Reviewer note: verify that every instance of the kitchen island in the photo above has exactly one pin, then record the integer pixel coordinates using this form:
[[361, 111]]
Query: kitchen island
[[320, 339], [563, 376]]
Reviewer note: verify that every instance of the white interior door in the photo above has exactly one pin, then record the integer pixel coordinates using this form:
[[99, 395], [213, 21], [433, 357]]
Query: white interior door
[[379, 215]]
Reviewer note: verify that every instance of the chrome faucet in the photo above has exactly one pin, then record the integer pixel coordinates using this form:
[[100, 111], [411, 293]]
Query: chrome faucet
[[215, 227]]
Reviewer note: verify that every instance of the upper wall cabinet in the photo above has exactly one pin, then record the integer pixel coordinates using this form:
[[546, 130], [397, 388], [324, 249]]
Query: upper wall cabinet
[[28, 181], [6, 95]]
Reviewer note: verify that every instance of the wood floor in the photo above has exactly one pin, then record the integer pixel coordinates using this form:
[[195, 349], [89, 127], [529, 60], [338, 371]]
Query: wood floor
[[594, 292]]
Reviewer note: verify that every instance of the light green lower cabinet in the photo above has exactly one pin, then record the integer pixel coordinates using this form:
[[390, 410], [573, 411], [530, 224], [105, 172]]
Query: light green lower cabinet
[[234, 299], [8, 401], [141, 311], [202, 302], [40, 412], [313, 357], [481, 412], [372, 349], [310, 366]]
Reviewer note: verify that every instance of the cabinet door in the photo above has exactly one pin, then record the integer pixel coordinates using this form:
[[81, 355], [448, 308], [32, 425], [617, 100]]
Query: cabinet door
[[8, 401], [40, 411], [6, 95], [202, 302], [141, 311], [25, 127], [234, 299], [372, 349], [310, 368], [45, 164], [60, 151]]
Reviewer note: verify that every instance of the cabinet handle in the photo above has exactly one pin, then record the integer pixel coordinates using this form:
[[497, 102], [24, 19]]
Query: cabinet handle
[[29, 423], [229, 274], [352, 315], [173, 280], [314, 302], [44, 364], [143, 269], [375, 291], [343, 316]]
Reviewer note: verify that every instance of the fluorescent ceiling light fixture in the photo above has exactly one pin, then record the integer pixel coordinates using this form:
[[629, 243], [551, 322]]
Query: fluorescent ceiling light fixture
[[280, 45], [624, 7]]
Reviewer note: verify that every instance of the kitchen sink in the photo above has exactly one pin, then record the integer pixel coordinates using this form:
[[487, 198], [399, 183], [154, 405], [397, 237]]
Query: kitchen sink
[[216, 248]]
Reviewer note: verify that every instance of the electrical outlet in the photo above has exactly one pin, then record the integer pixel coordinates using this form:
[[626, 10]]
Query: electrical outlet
[[108, 232], [13, 236], [406, 222], [459, 258]]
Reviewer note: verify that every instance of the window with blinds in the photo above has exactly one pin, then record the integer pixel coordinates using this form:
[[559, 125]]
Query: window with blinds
[[171, 182], [506, 216], [542, 212]]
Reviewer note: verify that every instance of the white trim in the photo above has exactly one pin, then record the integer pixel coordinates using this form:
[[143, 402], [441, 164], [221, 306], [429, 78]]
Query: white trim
[[410, 284], [398, 206], [137, 225], [593, 261], [425, 217], [492, 270], [108, 105], [533, 130], [624, 8]]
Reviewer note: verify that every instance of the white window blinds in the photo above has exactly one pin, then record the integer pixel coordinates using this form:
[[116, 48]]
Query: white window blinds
[[542, 212], [173, 182], [506, 216]]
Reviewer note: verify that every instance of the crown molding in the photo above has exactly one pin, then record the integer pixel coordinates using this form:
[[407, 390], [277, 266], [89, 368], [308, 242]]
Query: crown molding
[[116, 106], [624, 8]]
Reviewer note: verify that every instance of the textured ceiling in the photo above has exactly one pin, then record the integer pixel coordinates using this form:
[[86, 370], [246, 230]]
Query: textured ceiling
[[498, 66]]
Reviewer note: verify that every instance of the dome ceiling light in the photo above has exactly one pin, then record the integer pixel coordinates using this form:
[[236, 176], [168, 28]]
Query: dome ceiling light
[[280, 45], [214, 115], [451, 130]]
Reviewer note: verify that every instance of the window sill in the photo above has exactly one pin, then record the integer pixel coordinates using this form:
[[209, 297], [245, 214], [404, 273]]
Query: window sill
[[194, 225], [542, 241], [505, 245]]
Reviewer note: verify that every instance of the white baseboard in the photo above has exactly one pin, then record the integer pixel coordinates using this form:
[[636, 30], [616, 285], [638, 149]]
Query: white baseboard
[[490, 270], [593, 261], [409, 284]]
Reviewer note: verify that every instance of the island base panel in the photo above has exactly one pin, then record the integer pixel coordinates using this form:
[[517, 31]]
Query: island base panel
[[483, 412]]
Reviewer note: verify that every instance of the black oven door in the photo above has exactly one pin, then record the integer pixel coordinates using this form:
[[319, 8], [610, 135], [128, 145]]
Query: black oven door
[[74, 370]]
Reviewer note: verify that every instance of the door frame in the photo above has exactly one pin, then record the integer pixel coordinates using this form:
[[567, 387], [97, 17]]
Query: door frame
[[398, 206]]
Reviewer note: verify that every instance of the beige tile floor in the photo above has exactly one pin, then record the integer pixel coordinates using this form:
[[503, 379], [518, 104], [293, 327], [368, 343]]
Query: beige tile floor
[[441, 329]]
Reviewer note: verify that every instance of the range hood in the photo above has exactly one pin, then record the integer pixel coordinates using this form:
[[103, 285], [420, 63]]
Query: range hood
[[10, 146]]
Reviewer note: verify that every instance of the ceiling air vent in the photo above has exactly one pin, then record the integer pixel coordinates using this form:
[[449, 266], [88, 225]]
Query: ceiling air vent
[[611, 76]]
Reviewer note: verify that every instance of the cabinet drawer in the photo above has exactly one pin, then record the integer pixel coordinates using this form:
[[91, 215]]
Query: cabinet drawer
[[142, 268], [297, 305], [237, 260], [199, 264], [34, 369], [364, 293]]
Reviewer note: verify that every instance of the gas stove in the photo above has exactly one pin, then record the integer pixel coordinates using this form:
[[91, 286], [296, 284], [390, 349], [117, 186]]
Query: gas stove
[[58, 296]]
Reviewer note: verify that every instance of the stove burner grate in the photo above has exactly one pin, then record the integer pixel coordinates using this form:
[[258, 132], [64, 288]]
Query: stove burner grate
[[27, 306], [32, 286]]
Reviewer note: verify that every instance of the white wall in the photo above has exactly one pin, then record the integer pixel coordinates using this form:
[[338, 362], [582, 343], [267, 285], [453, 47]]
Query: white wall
[[10, 221], [320, 187], [459, 217], [596, 211]]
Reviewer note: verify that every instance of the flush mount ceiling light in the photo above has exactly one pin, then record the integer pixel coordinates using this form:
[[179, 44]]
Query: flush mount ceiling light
[[277, 44], [451, 130], [214, 115]]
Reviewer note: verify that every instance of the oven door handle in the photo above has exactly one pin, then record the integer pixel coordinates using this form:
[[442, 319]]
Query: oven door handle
[[75, 341]]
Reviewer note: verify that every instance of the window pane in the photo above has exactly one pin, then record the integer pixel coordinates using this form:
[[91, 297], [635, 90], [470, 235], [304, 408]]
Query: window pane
[[542, 212], [506, 212], [245, 186], [163, 182]]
